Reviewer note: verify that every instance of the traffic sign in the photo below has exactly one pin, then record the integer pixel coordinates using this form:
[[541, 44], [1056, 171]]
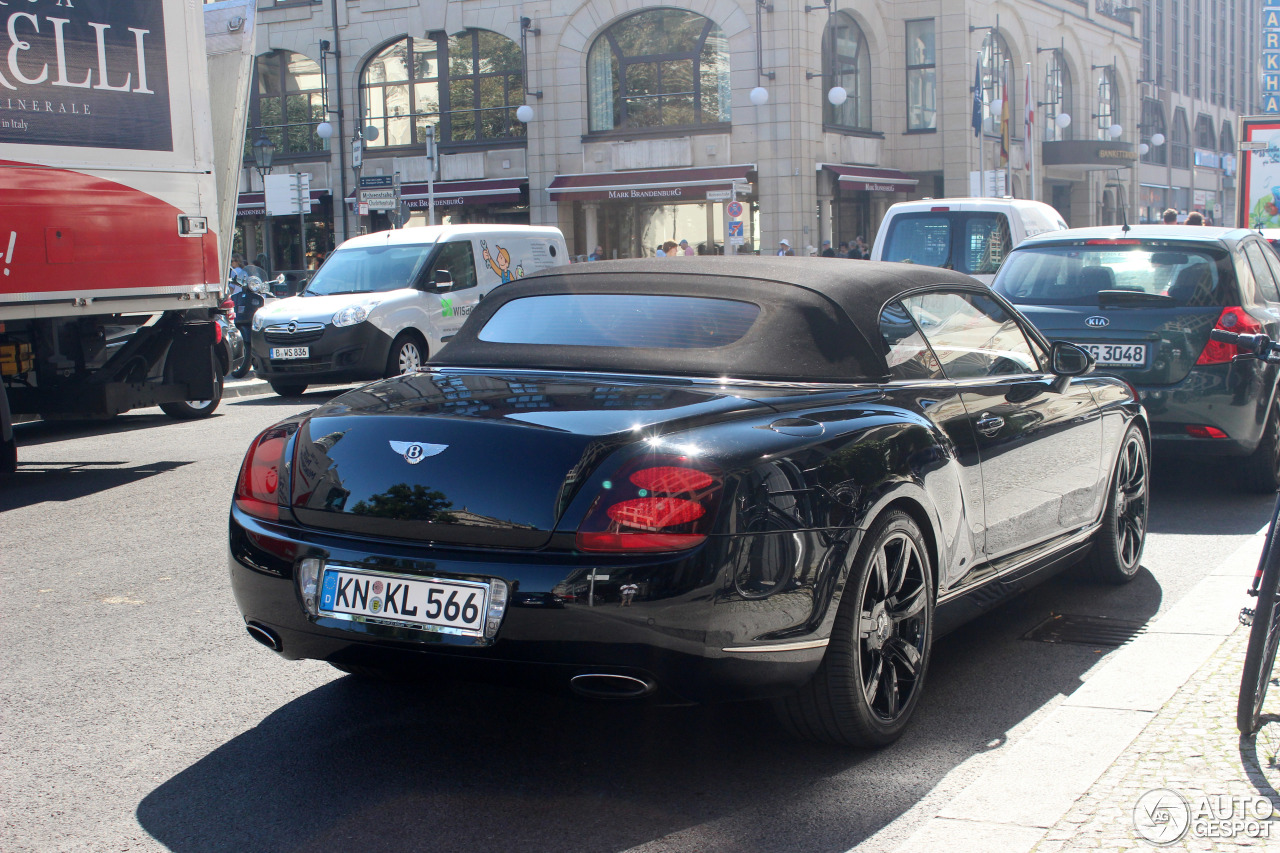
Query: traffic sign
[[734, 209], [735, 228], [379, 199], [287, 194], [719, 195]]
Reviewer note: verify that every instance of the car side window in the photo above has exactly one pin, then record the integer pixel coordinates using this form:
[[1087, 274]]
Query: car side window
[[1269, 286], [909, 356], [456, 258], [973, 336]]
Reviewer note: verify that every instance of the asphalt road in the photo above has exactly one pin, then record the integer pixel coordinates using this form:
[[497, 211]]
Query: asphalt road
[[136, 714]]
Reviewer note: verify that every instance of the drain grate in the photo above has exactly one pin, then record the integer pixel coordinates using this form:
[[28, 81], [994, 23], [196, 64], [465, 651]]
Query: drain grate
[[1085, 630]]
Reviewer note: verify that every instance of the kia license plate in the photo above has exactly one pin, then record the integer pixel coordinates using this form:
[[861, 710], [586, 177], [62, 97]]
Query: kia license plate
[[290, 352], [1118, 355], [410, 601]]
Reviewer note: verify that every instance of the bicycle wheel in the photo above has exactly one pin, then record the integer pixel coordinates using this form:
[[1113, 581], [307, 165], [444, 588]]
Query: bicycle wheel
[[1263, 637]]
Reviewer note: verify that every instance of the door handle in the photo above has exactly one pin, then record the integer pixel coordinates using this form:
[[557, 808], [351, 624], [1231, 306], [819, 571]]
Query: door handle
[[989, 424]]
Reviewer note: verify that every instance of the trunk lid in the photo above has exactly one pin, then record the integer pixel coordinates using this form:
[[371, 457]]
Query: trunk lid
[[477, 458]]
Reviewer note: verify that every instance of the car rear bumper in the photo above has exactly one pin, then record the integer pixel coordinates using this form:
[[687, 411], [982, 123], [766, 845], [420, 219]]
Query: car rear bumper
[[1232, 398], [672, 637], [339, 354]]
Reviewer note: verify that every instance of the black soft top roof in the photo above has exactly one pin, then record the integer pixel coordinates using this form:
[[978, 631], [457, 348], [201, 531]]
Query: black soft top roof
[[819, 317]]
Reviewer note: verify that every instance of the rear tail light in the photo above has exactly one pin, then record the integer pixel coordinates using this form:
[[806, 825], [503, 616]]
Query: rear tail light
[[229, 308], [663, 504], [1202, 431], [1235, 320], [258, 489], [1116, 242]]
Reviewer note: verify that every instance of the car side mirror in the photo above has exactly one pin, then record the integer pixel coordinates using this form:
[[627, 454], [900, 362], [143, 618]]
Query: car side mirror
[[442, 281], [1068, 359]]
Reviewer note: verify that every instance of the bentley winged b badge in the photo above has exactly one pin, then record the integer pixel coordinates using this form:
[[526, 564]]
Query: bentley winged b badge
[[415, 451]]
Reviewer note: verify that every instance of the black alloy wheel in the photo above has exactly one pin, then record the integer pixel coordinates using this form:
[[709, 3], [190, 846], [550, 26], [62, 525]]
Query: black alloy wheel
[[1117, 546], [1261, 469], [872, 675]]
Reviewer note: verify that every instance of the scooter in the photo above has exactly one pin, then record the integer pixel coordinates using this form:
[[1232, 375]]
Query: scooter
[[251, 296]]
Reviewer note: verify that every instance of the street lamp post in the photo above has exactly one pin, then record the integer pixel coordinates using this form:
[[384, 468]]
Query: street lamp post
[[264, 150]]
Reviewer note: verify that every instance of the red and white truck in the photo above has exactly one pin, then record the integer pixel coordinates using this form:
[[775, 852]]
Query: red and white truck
[[121, 134]]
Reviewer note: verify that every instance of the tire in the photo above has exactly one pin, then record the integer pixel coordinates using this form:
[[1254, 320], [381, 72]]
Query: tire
[[190, 410], [288, 389], [1260, 470], [241, 368], [9, 456], [1260, 655], [1117, 546], [871, 678], [408, 353]]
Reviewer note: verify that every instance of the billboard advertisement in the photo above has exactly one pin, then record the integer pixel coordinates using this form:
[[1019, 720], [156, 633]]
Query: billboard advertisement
[[1259, 172], [93, 73]]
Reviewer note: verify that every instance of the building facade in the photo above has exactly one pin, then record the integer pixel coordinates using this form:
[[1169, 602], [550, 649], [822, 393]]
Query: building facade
[[629, 125]]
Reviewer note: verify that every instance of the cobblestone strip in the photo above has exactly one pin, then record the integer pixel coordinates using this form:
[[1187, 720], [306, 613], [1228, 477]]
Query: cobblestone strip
[[1190, 746]]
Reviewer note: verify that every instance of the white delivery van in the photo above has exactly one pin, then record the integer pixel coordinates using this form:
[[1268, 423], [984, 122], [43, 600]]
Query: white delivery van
[[971, 235], [382, 303]]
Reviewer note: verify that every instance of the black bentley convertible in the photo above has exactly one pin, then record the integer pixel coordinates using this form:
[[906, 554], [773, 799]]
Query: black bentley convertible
[[710, 479]]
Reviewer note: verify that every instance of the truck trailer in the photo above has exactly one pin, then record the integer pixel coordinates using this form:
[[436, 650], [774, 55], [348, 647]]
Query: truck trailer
[[121, 141]]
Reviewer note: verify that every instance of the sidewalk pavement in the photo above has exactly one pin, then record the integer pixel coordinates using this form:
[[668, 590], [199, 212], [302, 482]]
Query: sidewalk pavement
[[1160, 714]]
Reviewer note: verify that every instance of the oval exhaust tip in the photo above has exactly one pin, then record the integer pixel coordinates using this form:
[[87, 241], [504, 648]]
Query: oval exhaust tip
[[607, 685], [264, 635]]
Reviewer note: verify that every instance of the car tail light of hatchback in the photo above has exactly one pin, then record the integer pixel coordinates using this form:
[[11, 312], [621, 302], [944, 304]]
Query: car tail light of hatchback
[[1235, 320], [258, 488], [1202, 431], [662, 504]]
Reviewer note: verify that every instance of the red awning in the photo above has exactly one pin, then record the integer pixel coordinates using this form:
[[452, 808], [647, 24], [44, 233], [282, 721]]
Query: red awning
[[255, 204], [871, 180], [454, 193], [655, 184]]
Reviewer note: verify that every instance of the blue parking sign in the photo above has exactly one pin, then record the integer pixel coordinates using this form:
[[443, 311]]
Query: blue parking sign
[[735, 228]]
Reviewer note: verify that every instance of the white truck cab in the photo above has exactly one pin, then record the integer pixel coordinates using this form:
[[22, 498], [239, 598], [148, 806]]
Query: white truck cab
[[383, 302], [970, 235]]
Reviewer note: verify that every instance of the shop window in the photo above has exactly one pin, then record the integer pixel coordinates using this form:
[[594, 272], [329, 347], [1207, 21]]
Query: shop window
[[845, 63], [922, 76], [1057, 96], [1205, 137], [658, 69], [287, 104], [1153, 123], [994, 70], [1108, 103], [1180, 150], [467, 86]]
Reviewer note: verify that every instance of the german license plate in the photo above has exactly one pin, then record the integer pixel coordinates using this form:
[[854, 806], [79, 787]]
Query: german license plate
[[290, 352], [1118, 355], [428, 604]]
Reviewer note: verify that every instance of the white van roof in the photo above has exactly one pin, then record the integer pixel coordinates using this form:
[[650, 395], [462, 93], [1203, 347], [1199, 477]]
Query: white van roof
[[1038, 215], [432, 233]]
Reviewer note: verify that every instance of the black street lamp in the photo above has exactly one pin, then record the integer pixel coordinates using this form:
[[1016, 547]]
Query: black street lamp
[[264, 151]]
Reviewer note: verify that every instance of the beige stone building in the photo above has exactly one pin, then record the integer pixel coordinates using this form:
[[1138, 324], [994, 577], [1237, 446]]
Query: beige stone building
[[644, 124]]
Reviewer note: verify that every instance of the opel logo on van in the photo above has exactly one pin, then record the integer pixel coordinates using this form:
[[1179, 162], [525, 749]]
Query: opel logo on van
[[415, 451], [1097, 322]]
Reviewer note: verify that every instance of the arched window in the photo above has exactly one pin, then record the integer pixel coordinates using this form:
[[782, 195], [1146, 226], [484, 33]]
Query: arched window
[[1227, 139], [1153, 123], [845, 63], [1180, 152], [468, 86], [1108, 103], [1205, 137], [658, 68], [1057, 97], [287, 104], [995, 75]]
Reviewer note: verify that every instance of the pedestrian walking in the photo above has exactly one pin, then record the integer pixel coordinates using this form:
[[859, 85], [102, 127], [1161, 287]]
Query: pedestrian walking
[[784, 248], [1194, 218], [685, 249], [597, 254], [860, 250], [827, 251], [842, 250], [1170, 216], [628, 591]]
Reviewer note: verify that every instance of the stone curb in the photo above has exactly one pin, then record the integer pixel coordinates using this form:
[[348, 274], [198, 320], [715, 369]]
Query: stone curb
[[1015, 802]]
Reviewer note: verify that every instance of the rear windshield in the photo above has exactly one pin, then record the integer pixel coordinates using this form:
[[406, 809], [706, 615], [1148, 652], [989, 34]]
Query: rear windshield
[[628, 321], [370, 269], [973, 243], [1075, 275]]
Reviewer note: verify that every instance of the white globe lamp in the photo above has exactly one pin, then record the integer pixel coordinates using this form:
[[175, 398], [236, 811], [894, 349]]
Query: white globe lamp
[[997, 104], [1115, 130], [759, 96], [324, 130], [524, 113], [1157, 139], [837, 96], [1062, 120], [1143, 148]]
